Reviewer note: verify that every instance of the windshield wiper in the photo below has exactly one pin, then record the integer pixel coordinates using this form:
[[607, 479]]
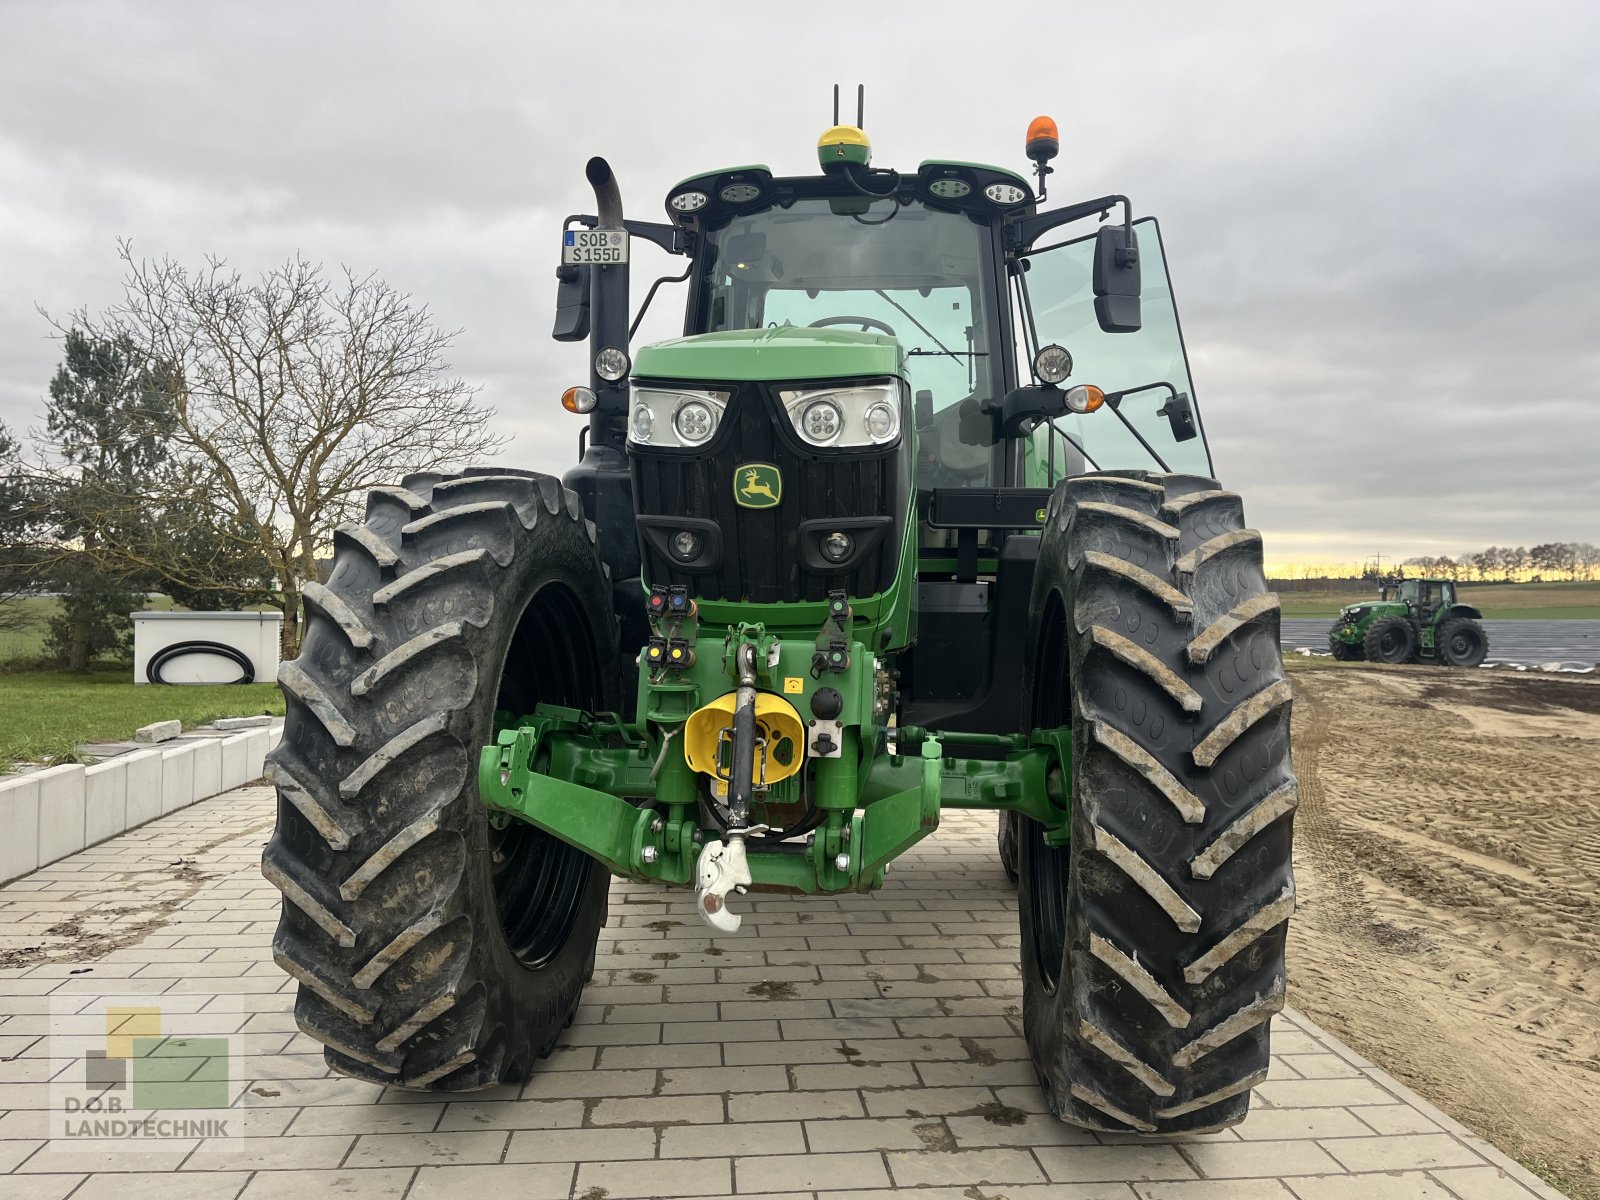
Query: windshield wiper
[[946, 349], [952, 353]]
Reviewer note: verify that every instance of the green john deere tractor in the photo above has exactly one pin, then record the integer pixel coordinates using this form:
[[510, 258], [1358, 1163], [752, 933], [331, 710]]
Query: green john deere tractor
[[1422, 622], [916, 515]]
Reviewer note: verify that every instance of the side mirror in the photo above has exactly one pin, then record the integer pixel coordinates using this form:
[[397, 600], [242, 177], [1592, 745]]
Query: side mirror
[[572, 304], [1116, 279], [1180, 415], [922, 408]]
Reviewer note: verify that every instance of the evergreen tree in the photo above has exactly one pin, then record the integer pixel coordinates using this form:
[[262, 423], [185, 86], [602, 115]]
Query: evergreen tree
[[108, 421]]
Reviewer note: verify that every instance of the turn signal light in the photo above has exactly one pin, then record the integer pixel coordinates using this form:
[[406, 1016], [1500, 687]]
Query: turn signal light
[[578, 400], [1085, 398]]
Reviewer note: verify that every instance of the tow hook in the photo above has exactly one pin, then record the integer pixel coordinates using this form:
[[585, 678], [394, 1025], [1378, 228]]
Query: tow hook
[[723, 868]]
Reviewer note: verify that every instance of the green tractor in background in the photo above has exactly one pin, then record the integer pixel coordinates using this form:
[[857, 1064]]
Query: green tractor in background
[[1423, 622], [829, 565]]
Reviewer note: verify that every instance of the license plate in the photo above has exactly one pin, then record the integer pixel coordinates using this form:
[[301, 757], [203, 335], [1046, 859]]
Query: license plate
[[581, 246]]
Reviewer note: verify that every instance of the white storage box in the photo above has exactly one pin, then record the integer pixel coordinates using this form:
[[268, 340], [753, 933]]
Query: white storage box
[[205, 647]]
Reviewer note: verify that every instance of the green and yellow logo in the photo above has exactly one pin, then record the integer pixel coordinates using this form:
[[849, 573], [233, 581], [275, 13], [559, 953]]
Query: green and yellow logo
[[757, 485], [164, 1071]]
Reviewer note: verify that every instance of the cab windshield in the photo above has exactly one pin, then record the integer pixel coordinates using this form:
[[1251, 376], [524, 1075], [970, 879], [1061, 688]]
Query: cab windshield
[[879, 266], [1145, 370]]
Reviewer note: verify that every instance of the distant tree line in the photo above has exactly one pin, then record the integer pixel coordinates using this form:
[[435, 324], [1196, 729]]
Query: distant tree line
[[1550, 560], [205, 435], [1547, 562]]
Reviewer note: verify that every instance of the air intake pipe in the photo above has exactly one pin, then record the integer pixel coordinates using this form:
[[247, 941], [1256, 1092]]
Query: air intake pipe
[[601, 479], [608, 329]]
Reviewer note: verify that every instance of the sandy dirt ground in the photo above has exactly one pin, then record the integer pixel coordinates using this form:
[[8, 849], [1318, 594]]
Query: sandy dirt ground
[[1448, 867]]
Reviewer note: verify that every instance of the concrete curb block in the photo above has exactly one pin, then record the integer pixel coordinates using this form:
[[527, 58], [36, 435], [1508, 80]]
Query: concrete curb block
[[47, 815]]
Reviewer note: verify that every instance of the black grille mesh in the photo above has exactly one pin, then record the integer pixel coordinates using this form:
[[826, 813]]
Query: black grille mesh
[[761, 555]]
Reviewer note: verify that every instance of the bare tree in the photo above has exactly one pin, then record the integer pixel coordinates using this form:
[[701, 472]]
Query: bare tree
[[1586, 560], [293, 395], [1487, 562]]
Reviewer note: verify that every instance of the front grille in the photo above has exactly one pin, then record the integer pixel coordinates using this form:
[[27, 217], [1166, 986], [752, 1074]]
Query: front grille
[[761, 559]]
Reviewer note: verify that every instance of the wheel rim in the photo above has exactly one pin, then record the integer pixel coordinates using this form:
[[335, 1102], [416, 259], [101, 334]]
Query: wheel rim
[[537, 878], [1391, 644], [537, 890], [1047, 869]]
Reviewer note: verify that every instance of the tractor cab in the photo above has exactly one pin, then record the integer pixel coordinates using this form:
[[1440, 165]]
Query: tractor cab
[[881, 376], [1425, 597]]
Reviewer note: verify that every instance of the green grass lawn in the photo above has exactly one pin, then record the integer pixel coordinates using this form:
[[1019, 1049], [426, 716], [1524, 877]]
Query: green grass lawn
[[1499, 601], [44, 714]]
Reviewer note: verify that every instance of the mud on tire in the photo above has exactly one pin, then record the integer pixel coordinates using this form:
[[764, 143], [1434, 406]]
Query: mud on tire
[[432, 950], [1153, 944]]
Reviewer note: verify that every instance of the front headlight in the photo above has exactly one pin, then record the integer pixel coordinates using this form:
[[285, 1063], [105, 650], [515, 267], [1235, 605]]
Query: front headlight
[[868, 415], [674, 417]]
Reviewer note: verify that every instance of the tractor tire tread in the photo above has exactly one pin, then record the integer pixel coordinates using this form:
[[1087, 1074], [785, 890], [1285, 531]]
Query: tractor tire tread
[[1181, 882], [379, 834], [1372, 641]]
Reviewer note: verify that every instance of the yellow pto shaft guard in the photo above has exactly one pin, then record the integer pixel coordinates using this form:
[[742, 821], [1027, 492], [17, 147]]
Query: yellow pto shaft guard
[[779, 729]]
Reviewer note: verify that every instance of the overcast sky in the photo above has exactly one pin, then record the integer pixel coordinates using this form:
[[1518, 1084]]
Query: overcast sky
[[1383, 220]]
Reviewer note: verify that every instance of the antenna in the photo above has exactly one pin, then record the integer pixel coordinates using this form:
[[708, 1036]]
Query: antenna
[[836, 104], [861, 106]]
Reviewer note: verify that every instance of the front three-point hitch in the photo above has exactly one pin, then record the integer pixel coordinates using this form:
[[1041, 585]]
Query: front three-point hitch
[[722, 784]]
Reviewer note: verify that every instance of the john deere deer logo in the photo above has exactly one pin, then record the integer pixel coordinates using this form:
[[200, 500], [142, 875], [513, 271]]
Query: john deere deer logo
[[757, 485]]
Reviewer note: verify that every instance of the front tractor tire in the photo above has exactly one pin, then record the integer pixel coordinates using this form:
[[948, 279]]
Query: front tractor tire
[[1391, 640], [1344, 651], [432, 950], [1153, 942]]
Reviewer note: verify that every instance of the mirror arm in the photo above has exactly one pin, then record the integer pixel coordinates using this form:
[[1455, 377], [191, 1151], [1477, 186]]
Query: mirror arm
[[669, 237], [1178, 410], [651, 295], [1021, 233]]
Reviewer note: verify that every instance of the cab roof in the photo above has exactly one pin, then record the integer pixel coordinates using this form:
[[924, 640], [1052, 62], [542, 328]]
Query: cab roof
[[977, 188]]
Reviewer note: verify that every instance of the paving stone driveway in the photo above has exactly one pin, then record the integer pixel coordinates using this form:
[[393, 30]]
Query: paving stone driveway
[[839, 1049]]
